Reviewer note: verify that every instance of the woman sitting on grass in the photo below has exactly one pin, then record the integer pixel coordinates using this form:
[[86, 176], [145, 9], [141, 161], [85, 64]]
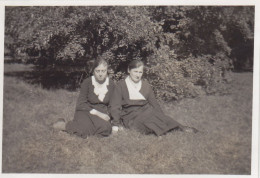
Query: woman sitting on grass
[[91, 115], [134, 103]]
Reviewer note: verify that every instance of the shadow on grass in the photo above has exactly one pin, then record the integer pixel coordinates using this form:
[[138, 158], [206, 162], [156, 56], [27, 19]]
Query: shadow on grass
[[50, 79]]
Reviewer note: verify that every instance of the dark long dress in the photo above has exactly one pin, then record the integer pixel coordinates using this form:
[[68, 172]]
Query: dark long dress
[[145, 116], [85, 124]]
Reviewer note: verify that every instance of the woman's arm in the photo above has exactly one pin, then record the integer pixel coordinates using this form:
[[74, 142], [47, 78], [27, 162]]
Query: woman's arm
[[100, 114], [82, 102], [115, 105], [152, 100]]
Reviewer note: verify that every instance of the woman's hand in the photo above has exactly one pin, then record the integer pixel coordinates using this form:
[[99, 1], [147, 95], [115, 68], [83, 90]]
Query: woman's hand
[[100, 114], [115, 129], [104, 116]]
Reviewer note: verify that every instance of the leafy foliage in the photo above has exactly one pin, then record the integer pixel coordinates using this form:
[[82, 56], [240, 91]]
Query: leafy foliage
[[188, 50]]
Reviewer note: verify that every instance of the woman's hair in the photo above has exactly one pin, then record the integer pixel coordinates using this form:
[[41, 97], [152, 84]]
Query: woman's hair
[[98, 62], [135, 64]]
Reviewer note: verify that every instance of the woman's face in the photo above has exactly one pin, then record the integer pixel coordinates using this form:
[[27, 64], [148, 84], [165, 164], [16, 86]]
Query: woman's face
[[100, 73], [136, 74]]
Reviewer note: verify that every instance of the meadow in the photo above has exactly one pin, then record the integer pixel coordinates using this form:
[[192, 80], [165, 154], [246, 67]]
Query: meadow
[[31, 145]]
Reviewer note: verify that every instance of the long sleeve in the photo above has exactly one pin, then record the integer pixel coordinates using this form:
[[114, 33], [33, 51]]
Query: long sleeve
[[115, 105], [82, 102], [152, 100]]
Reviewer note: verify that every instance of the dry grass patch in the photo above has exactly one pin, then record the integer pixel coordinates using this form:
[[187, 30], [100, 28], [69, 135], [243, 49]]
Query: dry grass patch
[[223, 146]]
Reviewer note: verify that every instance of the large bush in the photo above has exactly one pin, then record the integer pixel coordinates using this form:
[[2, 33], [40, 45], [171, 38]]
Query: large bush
[[175, 79], [188, 50]]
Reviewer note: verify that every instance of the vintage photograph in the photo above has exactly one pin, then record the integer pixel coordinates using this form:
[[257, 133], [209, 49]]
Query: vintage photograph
[[128, 89]]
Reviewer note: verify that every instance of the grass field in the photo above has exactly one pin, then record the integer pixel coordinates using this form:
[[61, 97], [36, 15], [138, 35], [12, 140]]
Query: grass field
[[30, 145]]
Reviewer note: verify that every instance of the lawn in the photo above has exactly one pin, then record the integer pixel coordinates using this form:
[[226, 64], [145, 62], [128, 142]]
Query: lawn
[[30, 145]]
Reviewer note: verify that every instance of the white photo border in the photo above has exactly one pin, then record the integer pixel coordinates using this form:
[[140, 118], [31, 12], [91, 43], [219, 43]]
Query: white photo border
[[255, 114]]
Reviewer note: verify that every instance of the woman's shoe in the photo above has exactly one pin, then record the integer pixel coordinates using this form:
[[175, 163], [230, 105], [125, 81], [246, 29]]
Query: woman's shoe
[[60, 124]]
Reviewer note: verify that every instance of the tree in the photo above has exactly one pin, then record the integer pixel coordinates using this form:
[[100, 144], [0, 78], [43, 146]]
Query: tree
[[188, 49]]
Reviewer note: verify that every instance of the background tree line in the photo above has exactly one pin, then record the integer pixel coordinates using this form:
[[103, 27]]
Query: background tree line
[[188, 50]]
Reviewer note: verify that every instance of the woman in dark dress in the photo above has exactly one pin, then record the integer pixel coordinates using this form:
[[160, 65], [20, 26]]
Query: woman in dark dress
[[91, 115], [134, 103]]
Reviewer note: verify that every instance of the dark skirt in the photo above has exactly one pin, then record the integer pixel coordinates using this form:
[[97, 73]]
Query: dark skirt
[[86, 124], [146, 120]]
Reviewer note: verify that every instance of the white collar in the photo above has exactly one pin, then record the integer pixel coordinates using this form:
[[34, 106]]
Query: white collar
[[100, 89], [134, 89]]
